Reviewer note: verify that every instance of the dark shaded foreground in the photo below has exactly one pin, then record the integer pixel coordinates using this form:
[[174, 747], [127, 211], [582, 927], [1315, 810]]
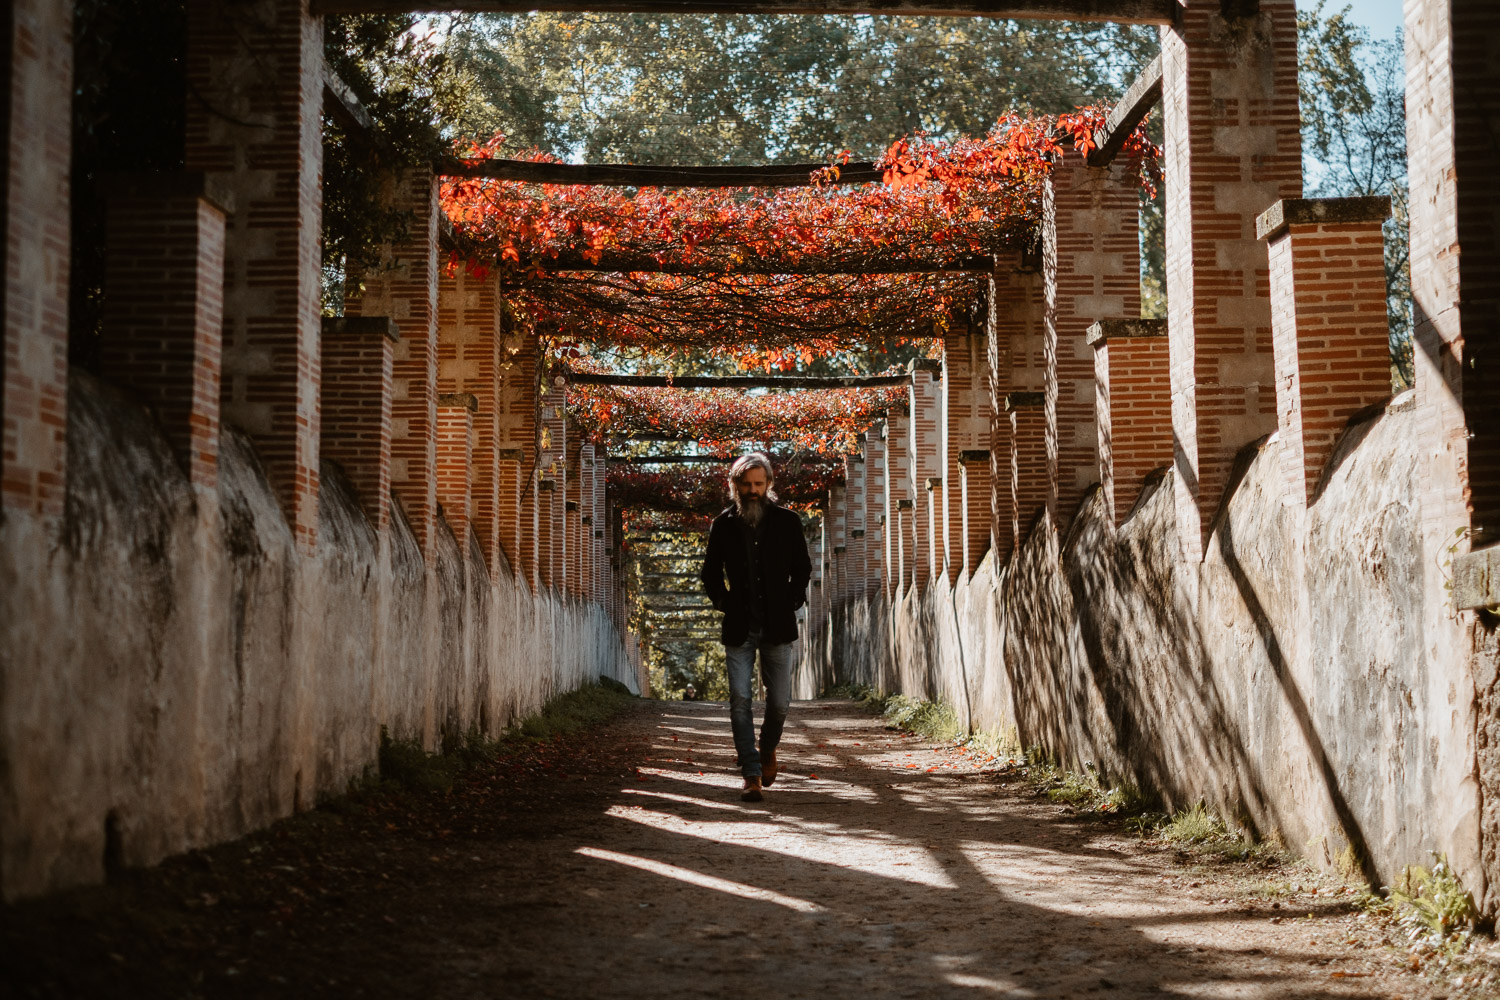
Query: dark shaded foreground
[[621, 863]]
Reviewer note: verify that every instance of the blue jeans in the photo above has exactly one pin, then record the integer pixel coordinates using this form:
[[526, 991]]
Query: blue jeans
[[776, 671]]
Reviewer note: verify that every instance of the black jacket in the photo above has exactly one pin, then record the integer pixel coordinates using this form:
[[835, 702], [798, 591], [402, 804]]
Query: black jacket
[[784, 569]]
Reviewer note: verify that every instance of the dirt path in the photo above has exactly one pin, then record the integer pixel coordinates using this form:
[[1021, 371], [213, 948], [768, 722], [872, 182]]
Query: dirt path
[[622, 864]]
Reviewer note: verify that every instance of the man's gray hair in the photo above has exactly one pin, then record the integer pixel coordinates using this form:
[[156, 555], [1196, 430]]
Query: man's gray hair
[[743, 464]]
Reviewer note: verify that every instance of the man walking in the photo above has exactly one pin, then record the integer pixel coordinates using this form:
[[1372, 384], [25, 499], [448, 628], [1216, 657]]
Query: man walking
[[756, 573]]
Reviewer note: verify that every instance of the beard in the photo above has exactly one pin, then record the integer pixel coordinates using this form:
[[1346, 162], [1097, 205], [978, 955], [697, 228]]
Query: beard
[[750, 509]]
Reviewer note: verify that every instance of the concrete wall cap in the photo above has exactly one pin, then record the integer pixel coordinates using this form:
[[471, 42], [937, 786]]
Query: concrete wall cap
[[967, 455], [459, 400], [933, 483], [1313, 211], [508, 454], [382, 326], [212, 188], [926, 365], [1476, 580], [1024, 400], [1109, 329], [546, 485], [571, 506], [905, 504]]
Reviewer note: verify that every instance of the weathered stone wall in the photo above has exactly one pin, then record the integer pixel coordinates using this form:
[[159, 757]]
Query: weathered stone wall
[[1286, 679], [177, 673]]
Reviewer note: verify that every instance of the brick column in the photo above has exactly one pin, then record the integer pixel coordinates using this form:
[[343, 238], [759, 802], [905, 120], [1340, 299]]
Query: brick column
[[1134, 409], [517, 456], [573, 517], [876, 566], [356, 426], [1028, 458], [455, 452], [1332, 336], [925, 457], [854, 521], [975, 492], [1233, 148], [546, 528], [468, 354], [255, 84], [966, 426], [551, 524], [1091, 265], [1016, 363], [899, 504], [405, 289], [34, 295], [838, 537], [164, 307], [932, 518]]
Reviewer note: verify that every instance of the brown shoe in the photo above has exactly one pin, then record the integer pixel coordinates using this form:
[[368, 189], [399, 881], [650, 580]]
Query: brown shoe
[[752, 791], [768, 768]]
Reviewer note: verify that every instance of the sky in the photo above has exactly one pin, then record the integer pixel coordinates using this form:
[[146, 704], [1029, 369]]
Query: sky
[[1382, 17]]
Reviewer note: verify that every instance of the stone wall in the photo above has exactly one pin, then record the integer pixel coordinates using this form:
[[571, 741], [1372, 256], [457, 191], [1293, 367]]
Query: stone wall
[[1285, 680], [176, 672]]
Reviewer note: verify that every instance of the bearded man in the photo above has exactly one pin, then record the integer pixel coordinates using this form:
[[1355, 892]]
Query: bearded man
[[756, 573]]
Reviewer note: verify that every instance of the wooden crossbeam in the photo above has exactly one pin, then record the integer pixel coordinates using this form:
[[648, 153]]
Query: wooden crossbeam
[[629, 263], [736, 381], [1116, 11], [653, 175], [1143, 95]]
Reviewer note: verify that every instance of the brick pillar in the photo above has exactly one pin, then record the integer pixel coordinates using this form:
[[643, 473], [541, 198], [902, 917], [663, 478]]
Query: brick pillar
[[1017, 362], [975, 493], [551, 524], [966, 426], [899, 503], [1134, 409], [854, 521], [255, 80], [468, 353], [455, 452], [1233, 148], [932, 516], [1091, 264], [34, 295], [1028, 458], [356, 425], [876, 565], [925, 458], [573, 518], [164, 307], [838, 537], [517, 457], [405, 289], [1332, 336]]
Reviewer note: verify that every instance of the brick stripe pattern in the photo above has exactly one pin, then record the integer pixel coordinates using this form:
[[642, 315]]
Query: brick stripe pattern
[[1017, 363], [925, 460], [468, 358], [966, 427], [356, 425], [256, 126], [974, 486], [1091, 271], [1028, 464], [455, 453], [854, 521], [164, 315], [1332, 339], [517, 497], [405, 288], [876, 566], [1134, 412], [1232, 149], [899, 505]]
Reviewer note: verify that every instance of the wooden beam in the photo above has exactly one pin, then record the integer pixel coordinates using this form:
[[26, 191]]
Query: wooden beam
[[654, 175], [1116, 11], [340, 101], [626, 263], [1143, 95], [735, 381]]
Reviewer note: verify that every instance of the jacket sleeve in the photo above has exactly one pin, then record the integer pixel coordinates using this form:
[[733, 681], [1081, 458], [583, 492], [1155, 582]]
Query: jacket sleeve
[[800, 564], [712, 573]]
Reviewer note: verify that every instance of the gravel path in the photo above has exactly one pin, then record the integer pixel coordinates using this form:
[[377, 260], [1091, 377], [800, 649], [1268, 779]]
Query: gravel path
[[621, 863]]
